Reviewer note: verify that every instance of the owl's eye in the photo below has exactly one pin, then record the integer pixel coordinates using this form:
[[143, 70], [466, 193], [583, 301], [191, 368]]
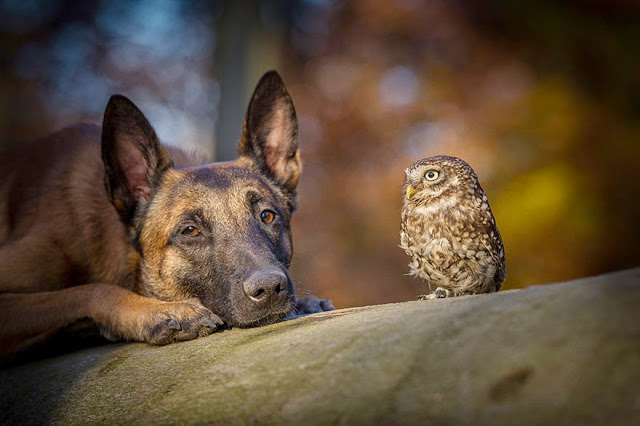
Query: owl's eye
[[267, 216], [191, 231], [431, 175]]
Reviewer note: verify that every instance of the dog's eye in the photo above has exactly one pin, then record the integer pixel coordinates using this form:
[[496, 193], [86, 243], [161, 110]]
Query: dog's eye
[[191, 231], [267, 216]]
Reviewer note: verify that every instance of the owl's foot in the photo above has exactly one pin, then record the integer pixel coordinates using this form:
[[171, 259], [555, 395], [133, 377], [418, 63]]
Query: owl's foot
[[439, 293]]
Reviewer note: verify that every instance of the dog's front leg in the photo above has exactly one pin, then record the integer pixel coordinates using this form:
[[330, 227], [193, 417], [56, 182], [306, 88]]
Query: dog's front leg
[[122, 314], [28, 318]]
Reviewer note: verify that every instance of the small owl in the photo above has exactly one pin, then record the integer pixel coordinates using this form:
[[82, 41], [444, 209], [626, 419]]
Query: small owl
[[448, 229]]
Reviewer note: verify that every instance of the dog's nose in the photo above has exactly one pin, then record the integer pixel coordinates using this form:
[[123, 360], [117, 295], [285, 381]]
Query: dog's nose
[[265, 287]]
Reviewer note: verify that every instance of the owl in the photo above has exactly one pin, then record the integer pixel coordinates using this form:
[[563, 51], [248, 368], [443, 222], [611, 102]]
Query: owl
[[448, 229]]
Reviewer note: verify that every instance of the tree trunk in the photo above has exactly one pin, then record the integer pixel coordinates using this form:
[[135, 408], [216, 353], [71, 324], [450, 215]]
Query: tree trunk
[[555, 354]]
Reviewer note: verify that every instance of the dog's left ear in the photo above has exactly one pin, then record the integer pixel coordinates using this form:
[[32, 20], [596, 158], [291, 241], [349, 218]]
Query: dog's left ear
[[270, 133]]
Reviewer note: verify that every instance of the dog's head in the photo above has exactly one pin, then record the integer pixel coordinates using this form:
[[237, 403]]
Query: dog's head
[[219, 232]]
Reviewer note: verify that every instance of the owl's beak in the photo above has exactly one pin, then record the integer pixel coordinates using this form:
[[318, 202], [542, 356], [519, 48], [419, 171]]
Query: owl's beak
[[410, 191]]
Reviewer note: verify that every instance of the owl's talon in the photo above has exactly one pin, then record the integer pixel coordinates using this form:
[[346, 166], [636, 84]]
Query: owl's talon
[[441, 293], [430, 296]]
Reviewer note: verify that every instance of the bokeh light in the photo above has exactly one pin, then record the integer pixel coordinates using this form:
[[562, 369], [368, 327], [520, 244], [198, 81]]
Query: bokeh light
[[542, 99]]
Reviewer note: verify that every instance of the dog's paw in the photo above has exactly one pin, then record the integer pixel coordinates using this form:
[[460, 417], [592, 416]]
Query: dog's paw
[[123, 315], [176, 321], [310, 305]]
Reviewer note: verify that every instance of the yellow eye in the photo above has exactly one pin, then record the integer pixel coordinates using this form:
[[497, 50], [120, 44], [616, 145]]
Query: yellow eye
[[267, 216], [191, 231], [431, 175]]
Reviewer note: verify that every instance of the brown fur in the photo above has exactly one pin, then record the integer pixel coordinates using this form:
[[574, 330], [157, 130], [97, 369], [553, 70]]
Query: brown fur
[[97, 224]]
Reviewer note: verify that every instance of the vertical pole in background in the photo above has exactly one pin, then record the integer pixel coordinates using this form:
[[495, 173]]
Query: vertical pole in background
[[232, 52], [245, 49]]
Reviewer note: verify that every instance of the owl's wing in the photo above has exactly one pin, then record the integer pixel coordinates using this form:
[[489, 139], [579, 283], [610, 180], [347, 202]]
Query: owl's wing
[[498, 253], [494, 246]]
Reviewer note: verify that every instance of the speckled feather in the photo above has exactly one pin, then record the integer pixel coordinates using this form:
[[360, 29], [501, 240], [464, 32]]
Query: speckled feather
[[448, 228]]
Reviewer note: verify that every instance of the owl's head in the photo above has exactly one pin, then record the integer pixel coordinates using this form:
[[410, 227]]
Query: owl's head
[[438, 177]]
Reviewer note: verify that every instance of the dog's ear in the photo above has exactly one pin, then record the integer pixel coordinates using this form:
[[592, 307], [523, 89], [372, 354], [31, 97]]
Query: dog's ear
[[132, 156], [270, 133]]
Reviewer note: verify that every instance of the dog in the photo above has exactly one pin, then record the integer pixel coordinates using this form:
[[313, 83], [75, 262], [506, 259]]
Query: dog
[[109, 228]]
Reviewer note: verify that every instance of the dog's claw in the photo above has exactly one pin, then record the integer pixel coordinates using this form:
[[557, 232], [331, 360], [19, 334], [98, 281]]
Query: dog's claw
[[211, 323], [173, 325], [326, 305]]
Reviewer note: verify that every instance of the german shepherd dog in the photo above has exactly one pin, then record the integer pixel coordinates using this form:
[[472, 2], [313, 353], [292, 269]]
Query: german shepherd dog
[[142, 242]]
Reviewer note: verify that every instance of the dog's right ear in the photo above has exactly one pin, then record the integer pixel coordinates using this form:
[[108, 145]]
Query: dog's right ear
[[132, 156]]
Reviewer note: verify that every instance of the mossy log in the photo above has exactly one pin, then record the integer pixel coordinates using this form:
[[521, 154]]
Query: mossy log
[[564, 353]]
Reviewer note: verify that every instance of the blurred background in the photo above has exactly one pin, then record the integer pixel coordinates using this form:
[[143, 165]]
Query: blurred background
[[541, 98]]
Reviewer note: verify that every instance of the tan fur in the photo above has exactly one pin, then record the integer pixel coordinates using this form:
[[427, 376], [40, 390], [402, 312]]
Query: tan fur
[[56, 223]]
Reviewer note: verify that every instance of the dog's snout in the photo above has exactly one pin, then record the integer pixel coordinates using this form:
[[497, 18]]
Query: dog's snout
[[266, 287]]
